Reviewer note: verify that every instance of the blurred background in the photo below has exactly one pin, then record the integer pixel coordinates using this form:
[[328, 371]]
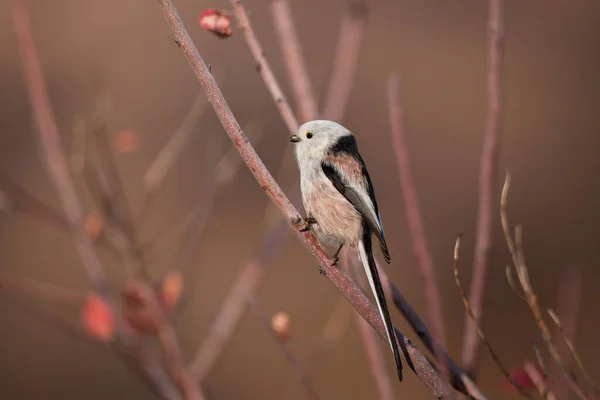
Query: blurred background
[[550, 142]]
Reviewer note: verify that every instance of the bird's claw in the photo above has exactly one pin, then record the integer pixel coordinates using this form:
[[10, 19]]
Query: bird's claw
[[305, 223], [335, 261], [321, 271]]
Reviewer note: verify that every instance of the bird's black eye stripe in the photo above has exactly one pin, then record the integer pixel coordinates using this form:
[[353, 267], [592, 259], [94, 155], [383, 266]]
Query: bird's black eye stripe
[[309, 135]]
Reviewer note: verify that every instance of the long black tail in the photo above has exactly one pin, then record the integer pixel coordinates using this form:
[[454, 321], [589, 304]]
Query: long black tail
[[365, 250]]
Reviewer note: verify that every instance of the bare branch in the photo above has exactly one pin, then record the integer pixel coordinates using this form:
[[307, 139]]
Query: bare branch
[[415, 359], [487, 180], [263, 66], [294, 60], [538, 381], [56, 161], [415, 223], [516, 250], [352, 31], [482, 335], [298, 369]]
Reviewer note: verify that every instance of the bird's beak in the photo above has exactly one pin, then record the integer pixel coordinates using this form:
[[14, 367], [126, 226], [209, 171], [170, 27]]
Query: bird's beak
[[294, 138]]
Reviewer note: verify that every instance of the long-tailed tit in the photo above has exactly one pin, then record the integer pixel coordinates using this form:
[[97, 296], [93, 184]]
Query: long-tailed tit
[[339, 199]]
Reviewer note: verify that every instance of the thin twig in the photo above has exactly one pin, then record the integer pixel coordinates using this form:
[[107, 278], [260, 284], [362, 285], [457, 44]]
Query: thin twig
[[263, 67], [538, 381], [413, 357], [415, 223], [459, 378], [294, 60], [294, 362], [56, 161], [516, 250], [482, 335], [41, 290], [336, 327], [572, 348], [487, 181], [345, 62]]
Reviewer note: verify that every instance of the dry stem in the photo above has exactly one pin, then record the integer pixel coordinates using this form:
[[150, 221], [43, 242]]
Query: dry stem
[[415, 223], [487, 180], [294, 60], [482, 335]]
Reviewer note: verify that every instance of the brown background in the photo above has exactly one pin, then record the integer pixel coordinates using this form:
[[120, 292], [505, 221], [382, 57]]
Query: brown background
[[550, 143]]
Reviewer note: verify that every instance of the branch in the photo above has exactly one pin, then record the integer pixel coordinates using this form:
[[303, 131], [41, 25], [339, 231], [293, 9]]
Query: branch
[[262, 65], [518, 257], [459, 378], [538, 381], [482, 335], [302, 375], [414, 358], [415, 223], [346, 60], [487, 180], [56, 162], [294, 61]]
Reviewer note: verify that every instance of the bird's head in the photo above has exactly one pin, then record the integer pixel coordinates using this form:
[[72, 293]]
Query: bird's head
[[314, 139]]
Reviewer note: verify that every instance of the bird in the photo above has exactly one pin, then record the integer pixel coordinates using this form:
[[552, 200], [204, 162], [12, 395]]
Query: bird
[[339, 199]]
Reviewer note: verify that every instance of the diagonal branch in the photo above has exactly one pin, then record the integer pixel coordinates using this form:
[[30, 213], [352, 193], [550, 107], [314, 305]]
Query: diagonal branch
[[487, 180], [413, 357]]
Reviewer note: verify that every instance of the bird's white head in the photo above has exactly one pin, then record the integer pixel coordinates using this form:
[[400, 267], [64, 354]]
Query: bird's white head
[[314, 139]]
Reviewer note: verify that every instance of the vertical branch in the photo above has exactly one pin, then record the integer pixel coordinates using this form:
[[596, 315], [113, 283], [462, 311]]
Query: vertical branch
[[487, 180], [346, 60], [415, 223], [57, 166], [262, 65], [52, 151], [294, 61]]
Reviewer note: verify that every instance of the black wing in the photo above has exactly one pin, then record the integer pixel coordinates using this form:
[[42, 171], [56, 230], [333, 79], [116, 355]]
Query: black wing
[[370, 212]]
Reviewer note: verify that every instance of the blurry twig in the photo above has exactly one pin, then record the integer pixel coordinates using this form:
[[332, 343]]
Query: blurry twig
[[538, 381], [487, 180], [482, 335], [56, 161], [41, 290], [372, 344], [516, 250], [294, 60], [336, 327], [346, 59], [572, 349], [415, 223], [569, 296], [298, 368], [263, 67], [459, 378], [413, 356]]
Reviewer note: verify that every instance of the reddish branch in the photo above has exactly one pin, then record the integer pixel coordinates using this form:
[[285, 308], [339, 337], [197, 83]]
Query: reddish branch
[[415, 223], [487, 181], [262, 65], [413, 357], [346, 60], [294, 61], [57, 167]]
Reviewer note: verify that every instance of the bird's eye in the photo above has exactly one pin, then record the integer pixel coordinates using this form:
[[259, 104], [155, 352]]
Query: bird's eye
[[309, 135]]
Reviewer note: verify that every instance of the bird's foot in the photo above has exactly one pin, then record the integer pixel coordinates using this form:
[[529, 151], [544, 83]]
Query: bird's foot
[[336, 256], [304, 224]]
